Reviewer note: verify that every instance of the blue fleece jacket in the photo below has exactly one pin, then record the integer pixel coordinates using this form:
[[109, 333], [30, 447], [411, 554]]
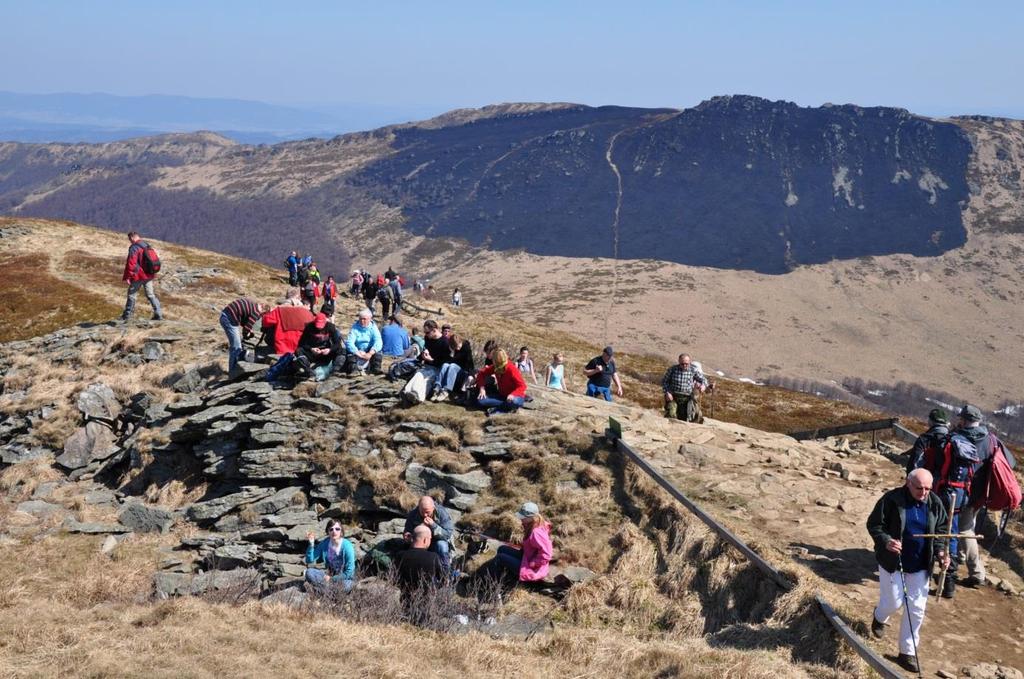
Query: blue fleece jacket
[[363, 339], [318, 552], [396, 340]]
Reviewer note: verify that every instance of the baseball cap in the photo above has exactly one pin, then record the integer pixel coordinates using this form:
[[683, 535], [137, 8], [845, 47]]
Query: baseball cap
[[608, 350], [938, 416], [319, 321], [527, 510], [970, 413]]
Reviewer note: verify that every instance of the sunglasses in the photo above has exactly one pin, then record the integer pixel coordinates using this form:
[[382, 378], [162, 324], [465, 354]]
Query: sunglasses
[[336, 528]]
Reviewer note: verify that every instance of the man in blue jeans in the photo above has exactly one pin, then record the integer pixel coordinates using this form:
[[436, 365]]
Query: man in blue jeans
[[600, 374], [237, 320]]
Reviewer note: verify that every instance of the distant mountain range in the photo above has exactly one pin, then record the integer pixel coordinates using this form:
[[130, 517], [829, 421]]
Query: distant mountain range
[[75, 117], [737, 182]]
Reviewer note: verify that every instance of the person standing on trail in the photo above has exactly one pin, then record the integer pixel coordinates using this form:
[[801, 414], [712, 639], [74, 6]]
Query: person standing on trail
[[237, 320], [600, 374], [555, 373], [139, 273], [969, 427], [924, 451], [293, 268], [457, 298], [525, 364], [329, 293], [678, 384], [904, 561]]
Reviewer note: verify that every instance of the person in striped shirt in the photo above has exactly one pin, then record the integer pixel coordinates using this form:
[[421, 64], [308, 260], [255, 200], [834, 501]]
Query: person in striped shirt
[[237, 320]]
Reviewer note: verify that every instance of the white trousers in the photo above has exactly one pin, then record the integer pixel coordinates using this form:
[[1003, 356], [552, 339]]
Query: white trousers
[[890, 601]]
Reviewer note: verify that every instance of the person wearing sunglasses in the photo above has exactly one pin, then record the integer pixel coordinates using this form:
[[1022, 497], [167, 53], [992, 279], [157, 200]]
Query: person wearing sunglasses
[[336, 553]]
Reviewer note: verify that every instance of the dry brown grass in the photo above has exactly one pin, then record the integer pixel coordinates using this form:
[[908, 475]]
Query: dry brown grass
[[41, 302], [19, 481]]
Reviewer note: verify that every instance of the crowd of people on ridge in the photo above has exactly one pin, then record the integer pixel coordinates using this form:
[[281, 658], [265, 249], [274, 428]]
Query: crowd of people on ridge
[[953, 475]]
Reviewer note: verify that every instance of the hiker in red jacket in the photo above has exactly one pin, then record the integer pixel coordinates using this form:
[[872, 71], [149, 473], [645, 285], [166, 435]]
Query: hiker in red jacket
[[136, 276], [511, 385]]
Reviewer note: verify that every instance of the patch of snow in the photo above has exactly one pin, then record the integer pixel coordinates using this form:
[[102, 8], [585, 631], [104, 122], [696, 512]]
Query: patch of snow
[[720, 373], [877, 392], [952, 408], [750, 166], [843, 184], [930, 183], [747, 380], [900, 176], [1011, 411], [791, 198]]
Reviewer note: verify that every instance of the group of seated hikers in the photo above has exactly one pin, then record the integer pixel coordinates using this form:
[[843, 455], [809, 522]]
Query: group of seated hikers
[[424, 559], [437, 365]]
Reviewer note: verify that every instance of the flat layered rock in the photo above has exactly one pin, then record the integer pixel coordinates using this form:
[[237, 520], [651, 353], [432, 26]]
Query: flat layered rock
[[208, 510], [274, 463]]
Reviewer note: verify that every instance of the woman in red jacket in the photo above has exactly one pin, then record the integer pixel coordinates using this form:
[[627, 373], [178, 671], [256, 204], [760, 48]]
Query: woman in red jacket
[[511, 385]]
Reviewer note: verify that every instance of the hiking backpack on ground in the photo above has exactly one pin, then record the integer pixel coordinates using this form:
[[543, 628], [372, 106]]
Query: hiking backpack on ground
[[150, 260]]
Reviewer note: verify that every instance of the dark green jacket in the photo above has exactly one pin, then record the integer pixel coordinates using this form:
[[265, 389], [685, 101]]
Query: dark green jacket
[[889, 517]]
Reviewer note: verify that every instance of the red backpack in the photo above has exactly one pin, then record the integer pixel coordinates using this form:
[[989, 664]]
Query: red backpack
[[150, 261], [1002, 493]]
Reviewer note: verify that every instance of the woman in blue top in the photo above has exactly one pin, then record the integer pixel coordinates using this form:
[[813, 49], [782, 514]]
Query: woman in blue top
[[336, 553], [556, 372]]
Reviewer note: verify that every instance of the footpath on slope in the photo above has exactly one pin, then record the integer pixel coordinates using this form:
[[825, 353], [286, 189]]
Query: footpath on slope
[[811, 499]]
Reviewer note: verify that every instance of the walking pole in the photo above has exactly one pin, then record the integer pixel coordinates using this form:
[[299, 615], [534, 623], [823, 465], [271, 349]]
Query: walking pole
[[942, 578], [910, 615]]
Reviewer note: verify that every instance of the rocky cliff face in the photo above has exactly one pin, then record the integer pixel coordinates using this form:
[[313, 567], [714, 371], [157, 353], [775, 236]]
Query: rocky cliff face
[[737, 182]]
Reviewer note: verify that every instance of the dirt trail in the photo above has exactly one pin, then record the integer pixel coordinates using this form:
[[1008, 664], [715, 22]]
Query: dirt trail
[[768, 488]]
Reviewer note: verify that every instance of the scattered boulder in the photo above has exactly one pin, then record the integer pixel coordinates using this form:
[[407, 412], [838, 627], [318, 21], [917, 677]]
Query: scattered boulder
[[72, 526], [98, 402], [145, 519], [94, 441], [179, 584], [40, 508], [152, 351]]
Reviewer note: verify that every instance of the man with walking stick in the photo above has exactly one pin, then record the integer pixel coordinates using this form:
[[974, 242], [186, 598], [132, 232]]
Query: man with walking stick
[[904, 561]]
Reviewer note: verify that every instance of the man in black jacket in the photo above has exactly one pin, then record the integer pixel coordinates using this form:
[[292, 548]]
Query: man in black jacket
[[904, 561], [932, 440], [319, 345], [420, 573]]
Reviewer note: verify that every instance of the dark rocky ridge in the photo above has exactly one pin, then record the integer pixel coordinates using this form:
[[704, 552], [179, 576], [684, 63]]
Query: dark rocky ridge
[[736, 182]]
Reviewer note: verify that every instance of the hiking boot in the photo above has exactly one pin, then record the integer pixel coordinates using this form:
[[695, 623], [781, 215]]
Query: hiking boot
[[877, 628], [157, 317], [973, 581], [908, 662]]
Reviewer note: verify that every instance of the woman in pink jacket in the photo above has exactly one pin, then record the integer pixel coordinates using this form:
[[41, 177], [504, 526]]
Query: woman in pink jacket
[[530, 563]]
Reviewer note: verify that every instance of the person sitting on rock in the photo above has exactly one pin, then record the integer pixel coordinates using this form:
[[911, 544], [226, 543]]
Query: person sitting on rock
[[439, 524], [679, 384], [363, 345], [419, 571], [237, 320], [336, 553], [454, 373], [395, 337], [528, 563], [319, 345], [511, 385]]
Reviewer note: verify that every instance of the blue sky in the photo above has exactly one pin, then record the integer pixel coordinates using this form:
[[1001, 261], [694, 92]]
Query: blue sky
[[931, 57]]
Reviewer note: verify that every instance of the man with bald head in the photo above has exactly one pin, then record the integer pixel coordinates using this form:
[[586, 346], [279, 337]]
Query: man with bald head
[[418, 567], [437, 522], [905, 561]]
